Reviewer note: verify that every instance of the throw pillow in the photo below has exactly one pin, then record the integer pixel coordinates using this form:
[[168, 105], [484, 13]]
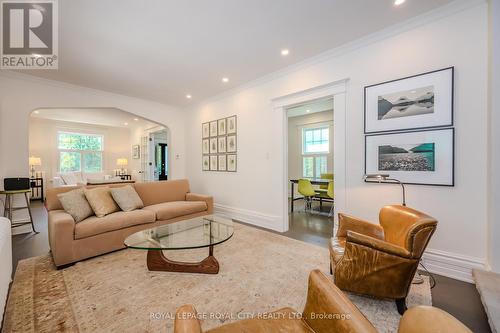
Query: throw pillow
[[75, 204], [101, 201], [127, 198], [69, 178]]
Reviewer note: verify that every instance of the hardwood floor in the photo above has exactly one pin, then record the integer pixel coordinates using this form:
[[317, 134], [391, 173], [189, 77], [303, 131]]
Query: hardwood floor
[[460, 299]]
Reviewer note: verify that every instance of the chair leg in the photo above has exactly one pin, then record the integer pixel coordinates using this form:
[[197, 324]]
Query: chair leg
[[29, 211], [401, 305]]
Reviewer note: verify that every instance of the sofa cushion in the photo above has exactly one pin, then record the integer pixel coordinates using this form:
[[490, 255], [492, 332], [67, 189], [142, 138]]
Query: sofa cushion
[[127, 198], [153, 193], [170, 210], [101, 201], [115, 221], [75, 204]]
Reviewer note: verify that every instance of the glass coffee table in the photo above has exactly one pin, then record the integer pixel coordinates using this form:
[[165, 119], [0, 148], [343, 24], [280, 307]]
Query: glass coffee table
[[198, 232]]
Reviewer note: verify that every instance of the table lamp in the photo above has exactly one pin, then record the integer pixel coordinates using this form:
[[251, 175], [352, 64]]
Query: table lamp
[[122, 162], [34, 161], [385, 178]]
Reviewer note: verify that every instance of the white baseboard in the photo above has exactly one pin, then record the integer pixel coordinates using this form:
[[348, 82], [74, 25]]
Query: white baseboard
[[452, 265], [272, 222]]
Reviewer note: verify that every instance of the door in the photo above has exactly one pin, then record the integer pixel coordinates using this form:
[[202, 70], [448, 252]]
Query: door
[[161, 160]]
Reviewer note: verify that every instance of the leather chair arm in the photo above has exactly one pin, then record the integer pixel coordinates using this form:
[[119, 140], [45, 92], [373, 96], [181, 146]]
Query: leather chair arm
[[427, 319], [328, 309], [209, 200], [186, 320], [377, 244], [350, 223]]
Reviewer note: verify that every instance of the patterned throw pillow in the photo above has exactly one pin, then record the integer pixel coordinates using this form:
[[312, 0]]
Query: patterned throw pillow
[[101, 201], [127, 198], [75, 204]]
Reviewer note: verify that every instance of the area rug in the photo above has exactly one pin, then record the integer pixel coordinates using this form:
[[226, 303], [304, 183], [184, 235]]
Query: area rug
[[259, 271]]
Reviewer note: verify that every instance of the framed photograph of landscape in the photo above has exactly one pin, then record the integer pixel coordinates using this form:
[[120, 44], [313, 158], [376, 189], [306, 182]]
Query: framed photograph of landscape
[[213, 163], [231, 125], [213, 128], [417, 157], [231, 163], [416, 102], [205, 160], [205, 130]]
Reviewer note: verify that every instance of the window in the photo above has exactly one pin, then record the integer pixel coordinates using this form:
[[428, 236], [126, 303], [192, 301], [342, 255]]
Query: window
[[80, 152], [315, 150]]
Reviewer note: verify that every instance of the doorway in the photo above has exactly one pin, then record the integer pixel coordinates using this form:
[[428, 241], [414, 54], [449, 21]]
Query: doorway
[[161, 160]]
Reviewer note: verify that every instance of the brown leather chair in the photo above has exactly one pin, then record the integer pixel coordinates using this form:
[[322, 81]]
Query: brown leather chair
[[333, 312], [380, 260]]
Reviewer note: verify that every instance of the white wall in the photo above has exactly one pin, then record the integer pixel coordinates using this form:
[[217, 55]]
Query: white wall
[[494, 208], [43, 144], [458, 39], [20, 95], [295, 127]]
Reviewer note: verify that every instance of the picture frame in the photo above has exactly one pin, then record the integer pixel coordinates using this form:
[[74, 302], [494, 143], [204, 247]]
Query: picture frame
[[213, 146], [231, 125], [136, 152], [231, 144], [213, 128], [213, 163], [205, 146], [415, 102], [222, 162], [221, 144], [205, 130], [232, 162], [424, 157], [221, 125], [205, 161]]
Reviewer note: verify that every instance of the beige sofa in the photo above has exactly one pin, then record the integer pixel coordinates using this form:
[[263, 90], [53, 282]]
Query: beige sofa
[[164, 202]]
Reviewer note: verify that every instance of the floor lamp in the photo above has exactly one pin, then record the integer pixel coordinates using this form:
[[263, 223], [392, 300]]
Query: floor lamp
[[385, 178]]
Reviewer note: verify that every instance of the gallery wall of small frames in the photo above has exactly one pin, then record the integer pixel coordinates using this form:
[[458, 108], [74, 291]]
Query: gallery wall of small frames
[[219, 145]]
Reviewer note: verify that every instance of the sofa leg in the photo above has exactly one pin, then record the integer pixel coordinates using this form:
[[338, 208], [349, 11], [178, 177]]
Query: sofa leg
[[331, 271], [401, 305]]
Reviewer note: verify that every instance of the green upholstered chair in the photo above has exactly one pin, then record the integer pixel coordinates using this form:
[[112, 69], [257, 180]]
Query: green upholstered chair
[[307, 190]]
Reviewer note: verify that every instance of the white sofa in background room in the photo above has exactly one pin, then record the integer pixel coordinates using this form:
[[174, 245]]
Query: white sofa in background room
[[5, 262]]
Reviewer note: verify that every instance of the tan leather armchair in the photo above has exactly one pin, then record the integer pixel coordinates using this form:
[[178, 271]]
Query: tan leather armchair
[[324, 299], [380, 260]]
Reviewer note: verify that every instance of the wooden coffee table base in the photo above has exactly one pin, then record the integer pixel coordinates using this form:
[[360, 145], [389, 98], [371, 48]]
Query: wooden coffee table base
[[158, 262]]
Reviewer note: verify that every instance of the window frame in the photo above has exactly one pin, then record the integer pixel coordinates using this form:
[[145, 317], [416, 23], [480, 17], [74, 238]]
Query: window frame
[[312, 129], [82, 152]]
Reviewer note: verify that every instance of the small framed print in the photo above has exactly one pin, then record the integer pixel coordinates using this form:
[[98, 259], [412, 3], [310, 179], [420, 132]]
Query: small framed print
[[213, 128], [205, 160], [419, 157], [205, 146], [231, 163], [205, 130], [213, 162], [231, 143], [231, 125], [222, 144], [136, 152], [222, 126], [213, 146], [222, 162], [416, 102]]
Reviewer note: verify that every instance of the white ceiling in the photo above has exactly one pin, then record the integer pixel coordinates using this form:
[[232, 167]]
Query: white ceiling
[[164, 49], [95, 116], [311, 107]]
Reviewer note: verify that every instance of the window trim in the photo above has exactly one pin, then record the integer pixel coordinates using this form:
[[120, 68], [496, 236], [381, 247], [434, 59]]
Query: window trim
[[81, 152], [313, 128]]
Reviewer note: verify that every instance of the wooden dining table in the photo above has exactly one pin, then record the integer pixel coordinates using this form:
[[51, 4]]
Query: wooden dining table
[[314, 181]]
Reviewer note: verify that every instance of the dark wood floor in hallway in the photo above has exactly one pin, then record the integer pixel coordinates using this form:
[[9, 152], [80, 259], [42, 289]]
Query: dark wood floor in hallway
[[459, 298]]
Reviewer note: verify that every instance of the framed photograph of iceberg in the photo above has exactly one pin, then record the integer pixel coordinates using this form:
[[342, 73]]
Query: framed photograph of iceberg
[[415, 102], [418, 157]]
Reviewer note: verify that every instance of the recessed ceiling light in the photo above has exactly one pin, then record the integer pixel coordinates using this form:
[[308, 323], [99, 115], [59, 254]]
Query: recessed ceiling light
[[126, 124], [399, 2], [136, 119], [285, 52], [36, 112], [308, 111], [225, 80], [188, 96]]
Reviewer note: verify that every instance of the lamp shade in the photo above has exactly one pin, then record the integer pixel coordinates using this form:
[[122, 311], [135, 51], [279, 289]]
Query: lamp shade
[[35, 160], [122, 162]]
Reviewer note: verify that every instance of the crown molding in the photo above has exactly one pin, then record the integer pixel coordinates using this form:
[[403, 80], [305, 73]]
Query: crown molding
[[394, 30]]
